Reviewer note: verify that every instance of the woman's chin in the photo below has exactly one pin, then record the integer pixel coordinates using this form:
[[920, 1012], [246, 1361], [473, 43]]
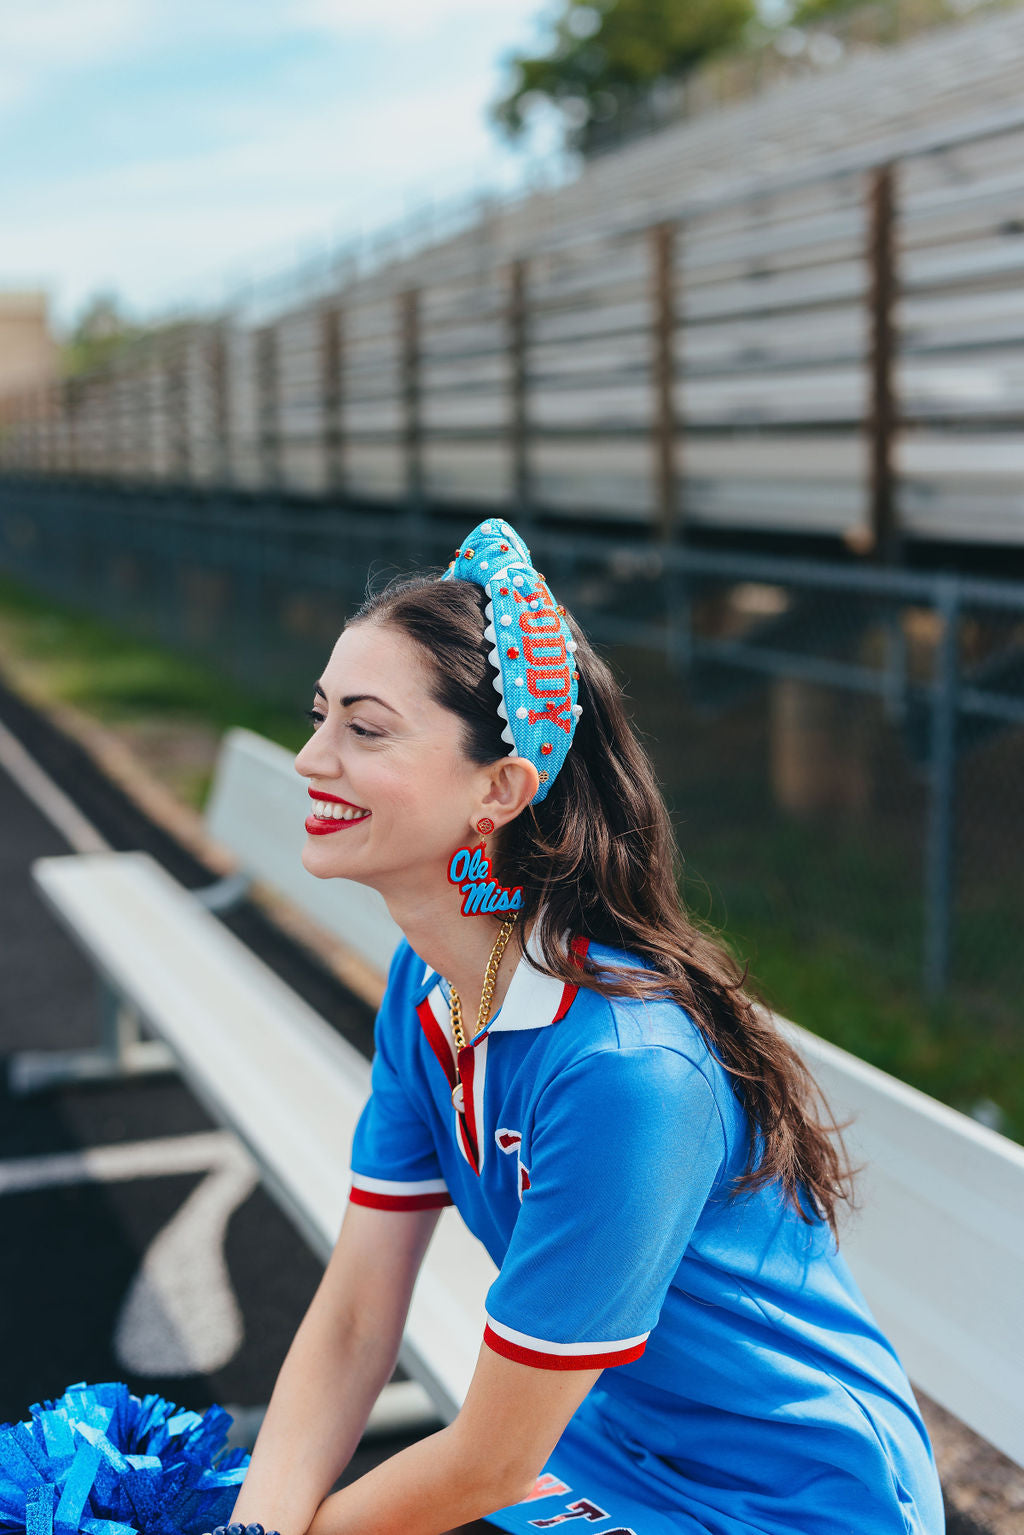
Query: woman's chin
[[320, 858]]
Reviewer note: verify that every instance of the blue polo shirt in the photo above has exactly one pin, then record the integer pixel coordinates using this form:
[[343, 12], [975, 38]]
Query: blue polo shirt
[[747, 1388]]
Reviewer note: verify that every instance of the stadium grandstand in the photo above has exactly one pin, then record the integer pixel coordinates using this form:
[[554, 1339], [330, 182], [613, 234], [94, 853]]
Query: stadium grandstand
[[801, 313]]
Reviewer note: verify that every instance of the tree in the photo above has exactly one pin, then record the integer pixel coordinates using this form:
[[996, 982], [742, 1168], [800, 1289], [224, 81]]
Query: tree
[[100, 331], [608, 57]]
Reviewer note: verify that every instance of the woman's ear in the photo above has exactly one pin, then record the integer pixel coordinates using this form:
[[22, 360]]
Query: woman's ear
[[510, 786]]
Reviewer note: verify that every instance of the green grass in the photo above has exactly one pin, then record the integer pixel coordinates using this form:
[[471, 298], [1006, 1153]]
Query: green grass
[[67, 655], [833, 938]]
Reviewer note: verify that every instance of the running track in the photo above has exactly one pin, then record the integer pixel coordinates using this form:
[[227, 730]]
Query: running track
[[120, 1203]]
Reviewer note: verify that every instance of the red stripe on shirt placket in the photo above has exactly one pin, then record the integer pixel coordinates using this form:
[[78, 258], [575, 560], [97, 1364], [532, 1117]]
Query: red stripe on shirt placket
[[467, 1119], [577, 953], [439, 1044], [436, 1040]]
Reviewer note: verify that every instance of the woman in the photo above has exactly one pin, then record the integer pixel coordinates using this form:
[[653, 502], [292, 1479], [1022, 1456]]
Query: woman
[[673, 1341]]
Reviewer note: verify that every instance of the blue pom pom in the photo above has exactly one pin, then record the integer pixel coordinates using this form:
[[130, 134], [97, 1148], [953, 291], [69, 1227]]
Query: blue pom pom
[[101, 1461]]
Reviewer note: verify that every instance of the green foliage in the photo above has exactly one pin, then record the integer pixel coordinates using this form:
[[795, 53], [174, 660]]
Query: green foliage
[[100, 331], [607, 56], [103, 332], [808, 12]]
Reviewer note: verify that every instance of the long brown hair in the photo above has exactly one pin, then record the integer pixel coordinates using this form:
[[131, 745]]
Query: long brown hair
[[598, 857]]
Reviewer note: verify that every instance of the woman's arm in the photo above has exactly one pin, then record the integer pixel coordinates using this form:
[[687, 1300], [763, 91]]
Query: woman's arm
[[487, 1458], [342, 1356]]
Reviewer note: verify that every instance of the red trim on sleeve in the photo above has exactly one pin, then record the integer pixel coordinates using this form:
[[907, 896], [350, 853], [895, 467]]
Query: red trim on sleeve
[[532, 1356], [400, 1201]]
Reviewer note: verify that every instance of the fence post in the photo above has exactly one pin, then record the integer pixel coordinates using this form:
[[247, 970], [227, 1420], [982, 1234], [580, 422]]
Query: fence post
[[939, 851], [663, 422], [881, 421], [519, 428], [332, 349], [86, 401], [120, 399], [145, 421], [221, 405], [33, 422], [178, 412], [70, 392], [412, 423], [46, 429], [108, 422], [268, 424]]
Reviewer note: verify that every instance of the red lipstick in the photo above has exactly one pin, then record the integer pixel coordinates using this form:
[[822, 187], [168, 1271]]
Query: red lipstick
[[321, 826]]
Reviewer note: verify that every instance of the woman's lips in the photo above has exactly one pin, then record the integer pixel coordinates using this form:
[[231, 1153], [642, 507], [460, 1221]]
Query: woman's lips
[[318, 825]]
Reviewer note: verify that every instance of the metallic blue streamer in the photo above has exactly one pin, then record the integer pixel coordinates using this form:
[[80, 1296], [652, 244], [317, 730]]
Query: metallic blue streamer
[[101, 1461], [76, 1489], [39, 1514]]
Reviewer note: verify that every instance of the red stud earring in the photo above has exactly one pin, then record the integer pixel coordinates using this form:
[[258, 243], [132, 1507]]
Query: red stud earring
[[485, 825]]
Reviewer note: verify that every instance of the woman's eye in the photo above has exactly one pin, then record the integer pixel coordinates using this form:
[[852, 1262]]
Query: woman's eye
[[318, 718]]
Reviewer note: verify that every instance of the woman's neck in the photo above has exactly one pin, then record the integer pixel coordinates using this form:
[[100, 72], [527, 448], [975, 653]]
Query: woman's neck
[[458, 947]]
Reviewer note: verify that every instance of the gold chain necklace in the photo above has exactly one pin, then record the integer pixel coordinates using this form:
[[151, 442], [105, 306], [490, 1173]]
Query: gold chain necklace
[[490, 977]]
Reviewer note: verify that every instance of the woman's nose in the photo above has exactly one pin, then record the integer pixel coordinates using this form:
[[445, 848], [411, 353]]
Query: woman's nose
[[315, 759]]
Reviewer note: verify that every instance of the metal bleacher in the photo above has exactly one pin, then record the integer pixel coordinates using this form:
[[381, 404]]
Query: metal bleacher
[[781, 315]]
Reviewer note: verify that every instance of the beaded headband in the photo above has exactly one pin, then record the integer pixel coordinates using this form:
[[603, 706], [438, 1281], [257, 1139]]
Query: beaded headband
[[533, 648]]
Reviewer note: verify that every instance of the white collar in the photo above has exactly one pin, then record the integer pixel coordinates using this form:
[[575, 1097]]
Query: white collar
[[532, 1000]]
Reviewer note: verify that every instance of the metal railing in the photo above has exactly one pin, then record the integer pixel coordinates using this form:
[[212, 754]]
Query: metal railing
[[847, 737]]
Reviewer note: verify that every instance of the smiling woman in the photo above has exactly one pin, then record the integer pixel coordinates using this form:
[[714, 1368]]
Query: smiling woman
[[647, 1161]]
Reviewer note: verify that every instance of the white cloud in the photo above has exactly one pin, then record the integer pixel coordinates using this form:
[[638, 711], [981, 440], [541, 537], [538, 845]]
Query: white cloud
[[270, 172], [163, 229], [349, 17], [41, 41]]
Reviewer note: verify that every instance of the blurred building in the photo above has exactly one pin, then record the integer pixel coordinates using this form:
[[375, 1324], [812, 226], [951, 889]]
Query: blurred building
[[28, 352]]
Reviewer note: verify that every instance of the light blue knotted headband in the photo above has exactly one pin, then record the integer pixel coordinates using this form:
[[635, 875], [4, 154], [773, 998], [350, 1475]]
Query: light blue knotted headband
[[533, 649]]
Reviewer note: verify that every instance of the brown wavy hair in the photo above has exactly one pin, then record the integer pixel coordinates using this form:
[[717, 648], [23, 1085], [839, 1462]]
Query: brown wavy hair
[[598, 857]]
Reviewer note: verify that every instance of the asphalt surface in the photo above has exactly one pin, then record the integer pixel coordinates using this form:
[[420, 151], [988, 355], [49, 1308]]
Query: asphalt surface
[[77, 1247]]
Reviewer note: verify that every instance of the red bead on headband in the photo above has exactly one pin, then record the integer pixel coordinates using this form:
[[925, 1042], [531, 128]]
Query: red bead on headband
[[533, 651]]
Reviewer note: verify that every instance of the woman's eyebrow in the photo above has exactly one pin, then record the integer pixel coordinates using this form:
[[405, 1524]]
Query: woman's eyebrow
[[355, 698]]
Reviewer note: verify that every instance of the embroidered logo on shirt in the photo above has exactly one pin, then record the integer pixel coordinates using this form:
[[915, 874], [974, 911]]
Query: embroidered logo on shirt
[[509, 1141], [581, 1509]]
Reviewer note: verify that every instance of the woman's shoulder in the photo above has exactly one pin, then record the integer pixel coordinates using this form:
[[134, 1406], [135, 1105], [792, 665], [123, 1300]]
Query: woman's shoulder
[[657, 1020]]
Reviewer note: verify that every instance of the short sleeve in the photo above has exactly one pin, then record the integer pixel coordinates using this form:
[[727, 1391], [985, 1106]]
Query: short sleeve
[[626, 1147], [394, 1161]]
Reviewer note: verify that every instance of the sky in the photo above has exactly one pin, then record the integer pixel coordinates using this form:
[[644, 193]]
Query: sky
[[170, 151]]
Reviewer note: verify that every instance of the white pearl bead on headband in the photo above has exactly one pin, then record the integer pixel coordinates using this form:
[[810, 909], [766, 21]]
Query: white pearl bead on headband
[[530, 635]]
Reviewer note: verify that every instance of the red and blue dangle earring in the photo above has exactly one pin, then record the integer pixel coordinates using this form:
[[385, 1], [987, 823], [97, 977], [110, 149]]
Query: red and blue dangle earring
[[470, 869]]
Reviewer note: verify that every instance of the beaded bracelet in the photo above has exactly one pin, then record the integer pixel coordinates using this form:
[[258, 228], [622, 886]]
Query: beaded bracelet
[[241, 1529]]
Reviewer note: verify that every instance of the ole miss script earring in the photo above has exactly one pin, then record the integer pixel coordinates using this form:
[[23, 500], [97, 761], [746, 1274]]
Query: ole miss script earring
[[470, 869]]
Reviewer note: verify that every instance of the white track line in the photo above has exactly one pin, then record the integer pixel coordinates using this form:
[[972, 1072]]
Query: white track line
[[40, 788], [129, 1159]]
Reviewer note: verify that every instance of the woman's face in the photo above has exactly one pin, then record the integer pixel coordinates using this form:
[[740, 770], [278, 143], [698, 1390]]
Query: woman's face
[[388, 749]]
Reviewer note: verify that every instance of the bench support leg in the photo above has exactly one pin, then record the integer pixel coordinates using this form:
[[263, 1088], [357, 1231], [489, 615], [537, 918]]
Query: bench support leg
[[120, 1053]]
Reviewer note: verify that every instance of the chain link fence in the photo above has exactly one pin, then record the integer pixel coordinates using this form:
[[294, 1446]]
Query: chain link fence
[[842, 746]]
